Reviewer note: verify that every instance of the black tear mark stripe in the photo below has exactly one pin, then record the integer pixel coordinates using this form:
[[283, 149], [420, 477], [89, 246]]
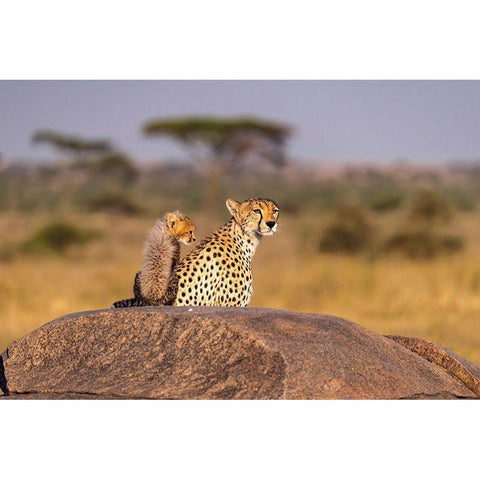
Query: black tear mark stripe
[[260, 221]]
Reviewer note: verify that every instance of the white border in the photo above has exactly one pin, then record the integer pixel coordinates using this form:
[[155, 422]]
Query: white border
[[252, 39], [239, 439]]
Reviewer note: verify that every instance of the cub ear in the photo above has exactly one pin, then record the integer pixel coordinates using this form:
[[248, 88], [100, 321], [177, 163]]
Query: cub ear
[[171, 220], [232, 206]]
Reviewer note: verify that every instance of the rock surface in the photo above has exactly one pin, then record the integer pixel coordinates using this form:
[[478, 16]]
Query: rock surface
[[457, 366], [222, 353]]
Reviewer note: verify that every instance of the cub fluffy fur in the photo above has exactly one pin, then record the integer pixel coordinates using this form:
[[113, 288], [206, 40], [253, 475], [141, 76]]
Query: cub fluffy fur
[[154, 283]]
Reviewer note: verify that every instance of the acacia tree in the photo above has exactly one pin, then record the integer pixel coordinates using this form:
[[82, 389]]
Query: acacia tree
[[86, 160], [77, 149], [94, 157], [220, 145]]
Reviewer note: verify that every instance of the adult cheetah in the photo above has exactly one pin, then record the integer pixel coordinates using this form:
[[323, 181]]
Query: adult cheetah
[[218, 271]]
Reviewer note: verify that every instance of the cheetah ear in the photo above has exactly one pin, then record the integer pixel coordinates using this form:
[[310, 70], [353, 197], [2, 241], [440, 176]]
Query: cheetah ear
[[171, 219], [232, 206]]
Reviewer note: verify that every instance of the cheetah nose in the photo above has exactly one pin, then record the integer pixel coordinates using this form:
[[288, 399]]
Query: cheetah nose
[[270, 224]]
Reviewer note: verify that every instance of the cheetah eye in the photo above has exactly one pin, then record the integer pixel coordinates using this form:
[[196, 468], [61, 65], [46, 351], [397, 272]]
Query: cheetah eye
[[275, 210], [258, 211]]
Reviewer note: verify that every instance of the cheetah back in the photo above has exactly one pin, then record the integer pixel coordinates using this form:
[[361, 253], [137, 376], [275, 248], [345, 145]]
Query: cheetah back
[[216, 273]]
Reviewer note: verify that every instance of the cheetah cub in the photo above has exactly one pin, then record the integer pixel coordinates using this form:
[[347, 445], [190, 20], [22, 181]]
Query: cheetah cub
[[218, 271], [154, 283]]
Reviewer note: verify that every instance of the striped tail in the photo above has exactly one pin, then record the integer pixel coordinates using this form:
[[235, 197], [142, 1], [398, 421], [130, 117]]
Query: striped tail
[[130, 302]]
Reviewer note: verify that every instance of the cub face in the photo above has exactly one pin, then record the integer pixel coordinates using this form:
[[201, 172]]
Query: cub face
[[181, 227], [258, 215]]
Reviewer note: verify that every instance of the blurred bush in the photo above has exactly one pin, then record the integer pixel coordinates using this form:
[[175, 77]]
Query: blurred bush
[[57, 237], [429, 205], [116, 166], [385, 200], [423, 243], [461, 198], [113, 202], [452, 243], [348, 231]]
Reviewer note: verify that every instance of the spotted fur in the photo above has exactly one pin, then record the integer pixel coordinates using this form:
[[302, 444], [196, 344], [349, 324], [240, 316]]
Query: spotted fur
[[218, 271]]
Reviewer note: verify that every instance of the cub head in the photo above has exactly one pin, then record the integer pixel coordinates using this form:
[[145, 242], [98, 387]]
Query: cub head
[[257, 215], [181, 227]]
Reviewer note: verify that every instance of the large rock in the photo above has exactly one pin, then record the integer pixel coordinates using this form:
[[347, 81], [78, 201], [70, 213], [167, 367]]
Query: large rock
[[204, 352]]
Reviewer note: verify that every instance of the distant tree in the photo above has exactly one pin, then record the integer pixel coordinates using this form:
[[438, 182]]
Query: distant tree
[[86, 161], [223, 144], [93, 157], [78, 149]]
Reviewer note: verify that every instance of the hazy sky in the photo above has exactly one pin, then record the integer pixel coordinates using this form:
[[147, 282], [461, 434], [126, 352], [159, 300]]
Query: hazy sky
[[333, 120]]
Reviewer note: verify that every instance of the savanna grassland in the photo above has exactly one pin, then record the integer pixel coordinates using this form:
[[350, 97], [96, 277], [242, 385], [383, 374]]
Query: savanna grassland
[[395, 250]]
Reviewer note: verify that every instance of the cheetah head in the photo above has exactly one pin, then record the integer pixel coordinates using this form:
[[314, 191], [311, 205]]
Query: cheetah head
[[181, 227], [255, 215]]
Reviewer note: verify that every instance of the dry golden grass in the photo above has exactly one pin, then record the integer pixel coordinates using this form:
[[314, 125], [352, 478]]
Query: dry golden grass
[[437, 299]]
